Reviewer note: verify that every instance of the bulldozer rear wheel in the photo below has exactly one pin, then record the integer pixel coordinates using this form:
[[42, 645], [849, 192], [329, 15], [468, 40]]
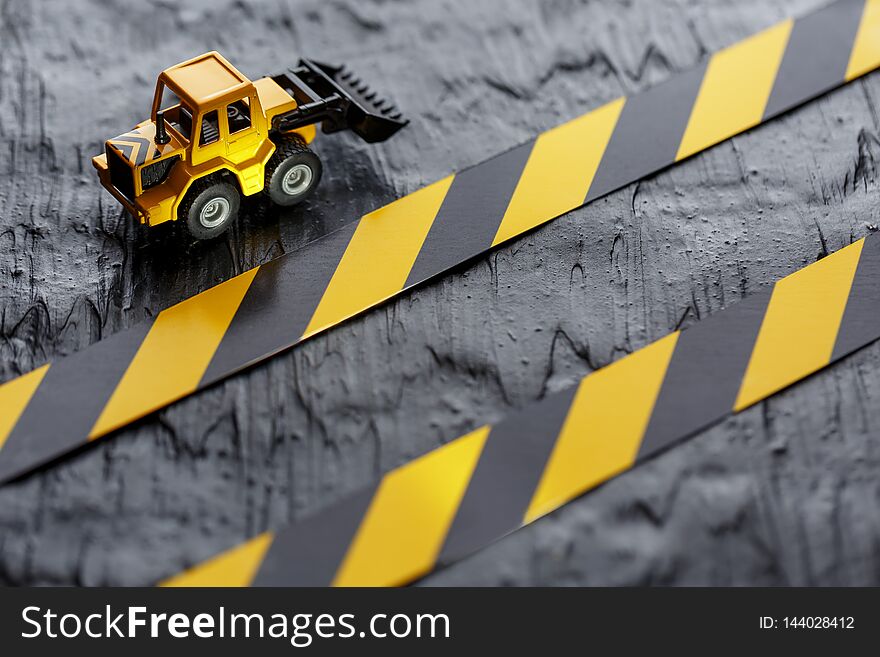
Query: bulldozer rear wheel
[[210, 208], [292, 173]]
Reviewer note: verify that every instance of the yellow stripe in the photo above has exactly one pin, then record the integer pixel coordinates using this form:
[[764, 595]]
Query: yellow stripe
[[735, 89], [409, 517], [235, 567], [380, 255], [800, 326], [865, 54], [135, 147], [604, 428], [174, 355], [14, 397], [559, 171]]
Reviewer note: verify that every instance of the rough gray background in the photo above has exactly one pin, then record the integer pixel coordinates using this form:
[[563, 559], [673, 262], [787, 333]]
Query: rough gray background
[[785, 493]]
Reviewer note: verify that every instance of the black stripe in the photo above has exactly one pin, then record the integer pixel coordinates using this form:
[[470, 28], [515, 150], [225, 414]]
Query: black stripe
[[861, 319], [121, 147], [506, 476], [648, 132], [705, 373], [142, 151], [817, 55], [278, 305], [68, 402], [309, 553], [471, 213]]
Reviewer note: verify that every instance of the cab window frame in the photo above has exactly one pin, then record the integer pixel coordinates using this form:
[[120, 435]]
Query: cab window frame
[[247, 104], [173, 110]]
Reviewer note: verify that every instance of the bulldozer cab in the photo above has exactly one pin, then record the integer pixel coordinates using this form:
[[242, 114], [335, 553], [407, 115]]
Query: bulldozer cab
[[210, 108]]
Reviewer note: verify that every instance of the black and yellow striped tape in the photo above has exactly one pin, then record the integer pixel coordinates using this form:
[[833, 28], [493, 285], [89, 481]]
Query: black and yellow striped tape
[[61, 406], [481, 486]]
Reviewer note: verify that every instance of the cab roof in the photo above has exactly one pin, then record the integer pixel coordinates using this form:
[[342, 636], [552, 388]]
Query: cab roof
[[205, 79]]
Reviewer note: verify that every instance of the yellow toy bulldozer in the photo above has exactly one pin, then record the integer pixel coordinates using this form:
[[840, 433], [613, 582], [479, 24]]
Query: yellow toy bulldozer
[[215, 136]]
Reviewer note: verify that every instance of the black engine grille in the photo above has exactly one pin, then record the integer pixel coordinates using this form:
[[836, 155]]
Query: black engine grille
[[153, 174]]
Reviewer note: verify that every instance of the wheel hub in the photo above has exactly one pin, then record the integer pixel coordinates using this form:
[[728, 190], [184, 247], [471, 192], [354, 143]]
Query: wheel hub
[[298, 180], [214, 212]]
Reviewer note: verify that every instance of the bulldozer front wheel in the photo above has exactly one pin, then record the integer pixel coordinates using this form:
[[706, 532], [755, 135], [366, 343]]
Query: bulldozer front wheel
[[292, 173], [210, 208]]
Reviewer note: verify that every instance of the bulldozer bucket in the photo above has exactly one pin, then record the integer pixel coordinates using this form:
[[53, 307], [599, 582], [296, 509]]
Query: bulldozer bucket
[[339, 99]]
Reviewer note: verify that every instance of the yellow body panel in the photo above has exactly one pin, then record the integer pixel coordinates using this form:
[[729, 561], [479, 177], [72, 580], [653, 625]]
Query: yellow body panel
[[204, 84], [205, 79], [273, 98]]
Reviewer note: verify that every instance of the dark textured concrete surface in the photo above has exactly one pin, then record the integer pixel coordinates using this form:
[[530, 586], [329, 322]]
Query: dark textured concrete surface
[[786, 493]]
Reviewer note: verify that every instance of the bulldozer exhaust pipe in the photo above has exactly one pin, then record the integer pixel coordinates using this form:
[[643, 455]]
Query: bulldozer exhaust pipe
[[161, 133]]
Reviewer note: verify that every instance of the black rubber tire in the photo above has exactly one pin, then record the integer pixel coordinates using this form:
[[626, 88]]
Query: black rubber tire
[[200, 195], [291, 152]]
